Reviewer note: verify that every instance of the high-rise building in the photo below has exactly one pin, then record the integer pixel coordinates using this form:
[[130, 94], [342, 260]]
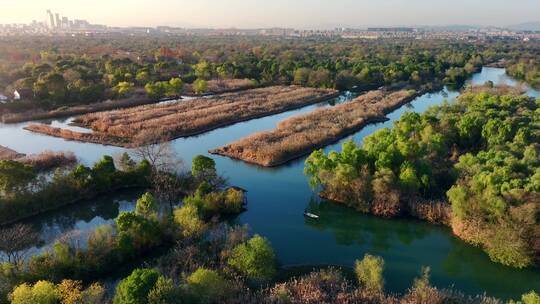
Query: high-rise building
[[57, 19], [50, 19], [65, 22]]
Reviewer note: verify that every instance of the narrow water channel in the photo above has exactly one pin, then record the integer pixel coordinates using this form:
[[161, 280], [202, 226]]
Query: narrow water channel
[[279, 196]]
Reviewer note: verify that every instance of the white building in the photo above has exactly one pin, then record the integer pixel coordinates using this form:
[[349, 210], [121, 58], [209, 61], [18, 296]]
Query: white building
[[16, 95]]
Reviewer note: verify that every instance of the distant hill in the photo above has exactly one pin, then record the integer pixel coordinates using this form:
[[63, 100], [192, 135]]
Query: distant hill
[[527, 26]]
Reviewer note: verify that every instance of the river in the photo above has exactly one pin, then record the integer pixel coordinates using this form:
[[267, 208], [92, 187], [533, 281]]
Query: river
[[279, 196]]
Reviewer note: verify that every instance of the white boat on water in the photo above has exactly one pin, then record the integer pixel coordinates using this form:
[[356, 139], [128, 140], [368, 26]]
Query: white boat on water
[[311, 215]]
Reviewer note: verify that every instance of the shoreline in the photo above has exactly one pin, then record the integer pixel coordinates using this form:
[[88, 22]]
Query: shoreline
[[139, 99], [117, 141], [13, 118], [69, 203], [369, 121], [373, 119], [408, 213]]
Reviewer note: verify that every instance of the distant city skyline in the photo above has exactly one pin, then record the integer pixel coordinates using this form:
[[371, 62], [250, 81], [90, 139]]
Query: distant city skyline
[[313, 14]]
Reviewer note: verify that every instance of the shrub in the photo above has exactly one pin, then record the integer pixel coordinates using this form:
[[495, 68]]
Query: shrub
[[136, 287], [147, 206], [369, 272], [189, 220], [203, 167], [216, 203], [531, 298], [72, 292], [164, 292], [207, 285], [200, 86], [254, 258], [42, 292]]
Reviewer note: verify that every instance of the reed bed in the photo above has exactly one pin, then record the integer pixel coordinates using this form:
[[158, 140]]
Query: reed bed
[[49, 160], [8, 154], [300, 135], [97, 138], [161, 122], [137, 99]]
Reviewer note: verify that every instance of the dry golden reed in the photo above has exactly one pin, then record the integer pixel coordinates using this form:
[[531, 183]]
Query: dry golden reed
[[299, 135]]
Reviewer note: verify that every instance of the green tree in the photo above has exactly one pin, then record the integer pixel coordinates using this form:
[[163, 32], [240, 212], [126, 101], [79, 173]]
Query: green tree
[[126, 163], [301, 76], [530, 298], [175, 87], [124, 88], [155, 90], [102, 172], [51, 86], [200, 86], [203, 70], [42, 292], [164, 292], [207, 285], [189, 220], [142, 77], [254, 258], [14, 176], [136, 287], [147, 206], [203, 167], [369, 272]]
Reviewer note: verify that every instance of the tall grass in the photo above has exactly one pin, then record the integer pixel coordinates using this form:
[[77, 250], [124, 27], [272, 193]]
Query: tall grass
[[299, 135], [161, 122], [49, 160], [8, 154], [96, 137], [136, 100]]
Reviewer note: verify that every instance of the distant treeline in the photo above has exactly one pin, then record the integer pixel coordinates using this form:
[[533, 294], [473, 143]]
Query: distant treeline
[[59, 71]]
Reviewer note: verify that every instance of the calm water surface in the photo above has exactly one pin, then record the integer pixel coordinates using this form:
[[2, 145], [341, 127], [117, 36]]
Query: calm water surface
[[279, 196]]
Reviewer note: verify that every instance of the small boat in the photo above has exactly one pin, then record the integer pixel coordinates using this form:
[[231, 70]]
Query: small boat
[[311, 215]]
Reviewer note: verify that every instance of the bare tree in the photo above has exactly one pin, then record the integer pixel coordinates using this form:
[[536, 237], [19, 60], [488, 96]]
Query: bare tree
[[16, 241], [169, 176], [160, 155]]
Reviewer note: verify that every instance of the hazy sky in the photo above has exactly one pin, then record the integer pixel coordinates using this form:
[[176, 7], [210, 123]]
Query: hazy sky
[[283, 13]]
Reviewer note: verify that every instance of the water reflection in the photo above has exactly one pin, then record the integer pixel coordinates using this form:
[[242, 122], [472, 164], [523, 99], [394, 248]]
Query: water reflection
[[80, 219]]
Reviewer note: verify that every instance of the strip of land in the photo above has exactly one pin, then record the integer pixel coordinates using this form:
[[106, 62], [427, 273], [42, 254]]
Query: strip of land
[[162, 122], [8, 154], [300, 135], [139, 98]]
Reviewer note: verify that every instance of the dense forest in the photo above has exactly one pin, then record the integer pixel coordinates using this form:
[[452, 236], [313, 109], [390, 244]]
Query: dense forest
[[472, 164], [80, 70]]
